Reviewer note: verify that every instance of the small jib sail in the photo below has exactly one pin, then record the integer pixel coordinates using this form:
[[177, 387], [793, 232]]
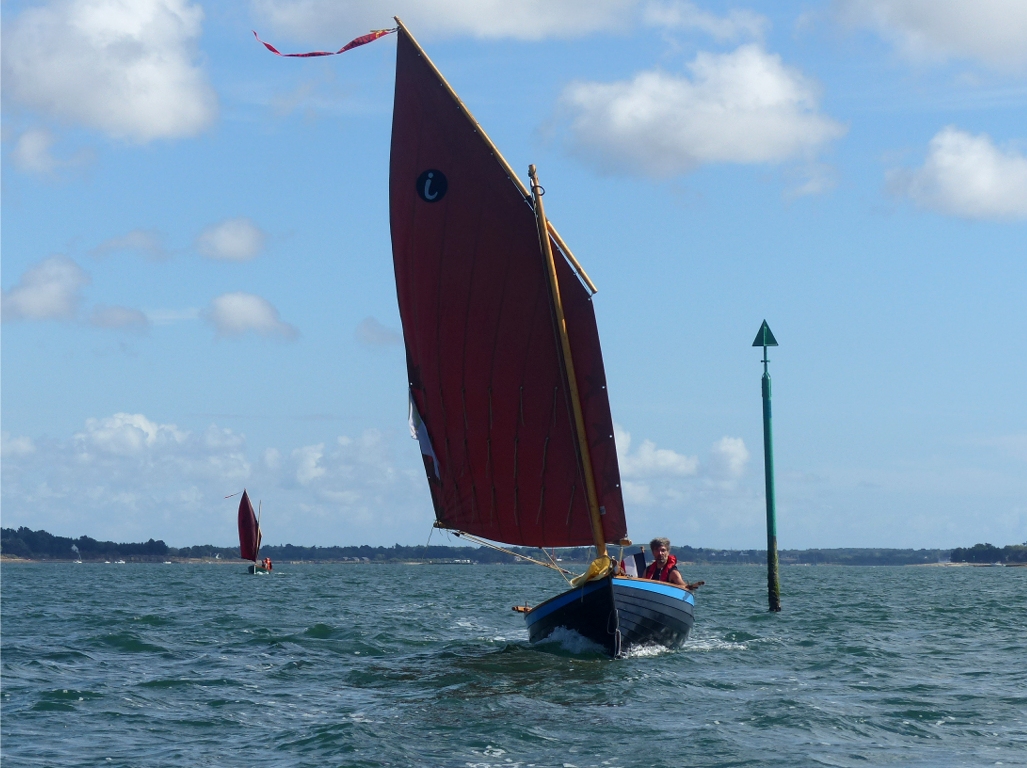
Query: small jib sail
[[249, 530], [491, 396]]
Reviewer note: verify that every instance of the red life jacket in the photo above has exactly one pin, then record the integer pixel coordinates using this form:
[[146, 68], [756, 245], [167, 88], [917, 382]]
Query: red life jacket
[[664, 574]]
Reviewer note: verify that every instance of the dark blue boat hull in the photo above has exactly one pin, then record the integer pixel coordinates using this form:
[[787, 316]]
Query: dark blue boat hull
[[618, 614]]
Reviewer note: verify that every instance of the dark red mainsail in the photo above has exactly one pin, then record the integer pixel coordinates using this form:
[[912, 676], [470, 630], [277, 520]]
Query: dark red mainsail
[[249, 530], [488, 386]]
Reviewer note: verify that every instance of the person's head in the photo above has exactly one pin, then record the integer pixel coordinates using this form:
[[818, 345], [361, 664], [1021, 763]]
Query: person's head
[[660, 548]]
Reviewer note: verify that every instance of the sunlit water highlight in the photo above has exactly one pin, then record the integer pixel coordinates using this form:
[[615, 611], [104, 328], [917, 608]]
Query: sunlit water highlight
[[347, 665]]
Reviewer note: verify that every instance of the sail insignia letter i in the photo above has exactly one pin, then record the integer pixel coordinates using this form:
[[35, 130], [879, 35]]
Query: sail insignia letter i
[[432, 185]]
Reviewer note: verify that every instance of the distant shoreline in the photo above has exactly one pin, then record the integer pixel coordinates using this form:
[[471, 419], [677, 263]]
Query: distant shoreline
[[11, 559], [41, 546]]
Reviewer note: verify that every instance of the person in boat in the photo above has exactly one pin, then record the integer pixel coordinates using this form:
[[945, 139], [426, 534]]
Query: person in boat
[[664, 566], [267, 564]]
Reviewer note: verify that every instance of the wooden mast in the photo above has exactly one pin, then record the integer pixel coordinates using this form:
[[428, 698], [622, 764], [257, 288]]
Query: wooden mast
[[572, 383], [497, 154]]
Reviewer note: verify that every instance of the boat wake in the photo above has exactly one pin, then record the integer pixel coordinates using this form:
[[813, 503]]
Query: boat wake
[[646, 651], [706, 644], [569, 641]]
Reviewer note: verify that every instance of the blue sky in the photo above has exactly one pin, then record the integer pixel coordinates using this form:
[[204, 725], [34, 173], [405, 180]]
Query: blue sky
[[198, 291]]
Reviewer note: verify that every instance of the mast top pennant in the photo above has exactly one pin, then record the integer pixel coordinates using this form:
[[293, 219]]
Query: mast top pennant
[[356, 42]]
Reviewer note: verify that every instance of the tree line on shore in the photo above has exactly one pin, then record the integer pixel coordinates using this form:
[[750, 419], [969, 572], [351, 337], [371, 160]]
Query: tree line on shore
[[986, 553], [41, 545]]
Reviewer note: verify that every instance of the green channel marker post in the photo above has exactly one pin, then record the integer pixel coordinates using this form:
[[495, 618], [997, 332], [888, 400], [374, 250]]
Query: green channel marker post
[[764, 338]]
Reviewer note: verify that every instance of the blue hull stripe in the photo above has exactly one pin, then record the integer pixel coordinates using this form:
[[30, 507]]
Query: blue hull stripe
[[655, 586], [558, 602]]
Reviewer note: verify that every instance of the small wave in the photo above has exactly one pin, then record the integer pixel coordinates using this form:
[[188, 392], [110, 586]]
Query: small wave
[[52, 706], [319, 631], [170, 683], [166, 683], [152, 620], [739, 637], [706, 644], [62, 700], [646, 651], [66, 655], [572, 642], [126, 641]]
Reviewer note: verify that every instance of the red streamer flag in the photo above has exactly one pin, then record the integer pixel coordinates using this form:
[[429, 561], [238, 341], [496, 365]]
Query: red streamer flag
[[356, 42]]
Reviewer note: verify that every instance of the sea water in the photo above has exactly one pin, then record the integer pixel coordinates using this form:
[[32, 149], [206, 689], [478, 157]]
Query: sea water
[[419, 665]]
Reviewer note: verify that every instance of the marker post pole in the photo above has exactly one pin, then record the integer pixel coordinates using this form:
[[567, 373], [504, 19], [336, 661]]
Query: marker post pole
[[766, 339]]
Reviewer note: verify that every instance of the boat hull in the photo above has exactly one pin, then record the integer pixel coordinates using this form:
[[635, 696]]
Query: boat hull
[[618, 614], [256, 569]]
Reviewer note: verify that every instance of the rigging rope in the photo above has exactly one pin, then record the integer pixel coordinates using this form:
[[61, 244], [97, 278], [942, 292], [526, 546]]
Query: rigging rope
[[482, 542], [552, 559]]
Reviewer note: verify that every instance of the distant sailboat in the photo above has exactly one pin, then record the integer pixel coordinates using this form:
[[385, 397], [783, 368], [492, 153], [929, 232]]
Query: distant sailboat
[[508, 397], [249, 535]]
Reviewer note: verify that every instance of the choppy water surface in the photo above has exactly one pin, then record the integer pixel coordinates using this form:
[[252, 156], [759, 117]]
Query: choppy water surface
[[345, 665]]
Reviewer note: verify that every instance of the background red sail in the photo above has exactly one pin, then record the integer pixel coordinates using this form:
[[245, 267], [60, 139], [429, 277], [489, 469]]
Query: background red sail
[[249, 531], [483, 357]]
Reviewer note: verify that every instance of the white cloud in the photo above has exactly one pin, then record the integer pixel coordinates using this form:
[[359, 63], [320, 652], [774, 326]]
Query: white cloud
[[15, 446], [308, 463], [119, 452], [372, 333], [650, 461], [991, 31], [124, 67], [49, 290], [272, 458], [119, 317], [218, 439], [728, 458], [234, 314], [670, 494], [128, 477], [171, 316], [1013, 446], [334, 22], [682, 14], [966, 176], [236, 239], [148, 242], [740, 107], [637, 493], [32, 152], [125, 434], [225, 457], [355, 469]]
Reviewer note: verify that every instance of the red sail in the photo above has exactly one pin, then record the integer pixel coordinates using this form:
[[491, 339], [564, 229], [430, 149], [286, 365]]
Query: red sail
[[249, 531], [583, 333], [483, 358]]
